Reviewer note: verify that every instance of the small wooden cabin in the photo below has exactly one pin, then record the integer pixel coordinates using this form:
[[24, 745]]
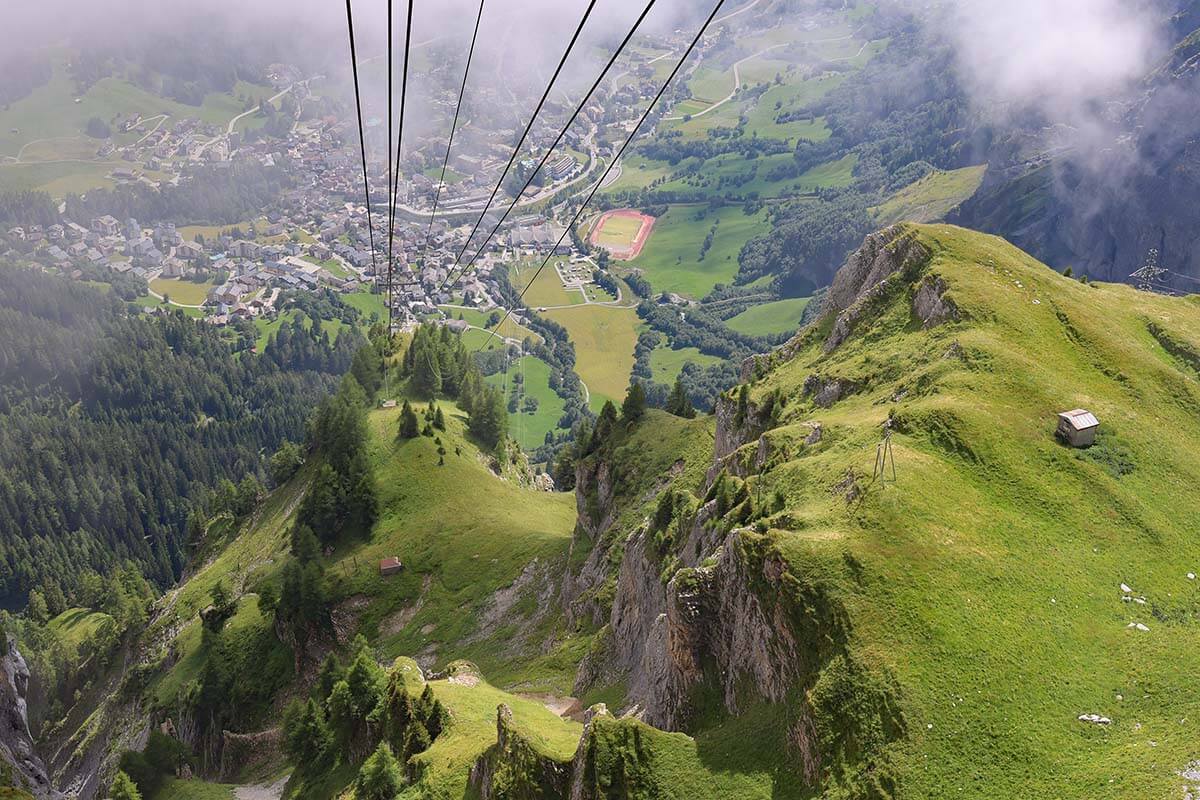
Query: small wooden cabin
[[1078, 428], [390, 566]]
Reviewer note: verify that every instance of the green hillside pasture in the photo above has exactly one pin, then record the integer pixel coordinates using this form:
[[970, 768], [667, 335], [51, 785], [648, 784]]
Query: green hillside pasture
[[781, 316], [638, 172], [931, 198], [792, 97], [530, 429], [671, 257], [447, 763], [246, 625], [75, 626], [734, 169], [666, 363], [710, 85], [471, 704], [985, 581], [57, 179], [604, 338], [368, 304], [462, 534]]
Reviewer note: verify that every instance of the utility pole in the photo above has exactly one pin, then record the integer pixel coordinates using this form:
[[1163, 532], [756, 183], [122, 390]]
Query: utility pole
[[884, 455], [1149, 274]]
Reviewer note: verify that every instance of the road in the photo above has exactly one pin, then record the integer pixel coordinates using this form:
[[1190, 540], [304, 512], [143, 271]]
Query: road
[[737, 76], [737, 81]]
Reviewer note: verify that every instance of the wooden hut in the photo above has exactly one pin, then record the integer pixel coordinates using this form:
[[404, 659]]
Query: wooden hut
[[1078, 428], [390, 566]]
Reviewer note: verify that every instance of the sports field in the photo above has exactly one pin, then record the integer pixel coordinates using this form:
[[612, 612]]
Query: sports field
[[623, 232]]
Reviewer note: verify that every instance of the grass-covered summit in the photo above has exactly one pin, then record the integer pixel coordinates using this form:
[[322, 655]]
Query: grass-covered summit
[[998, 584]]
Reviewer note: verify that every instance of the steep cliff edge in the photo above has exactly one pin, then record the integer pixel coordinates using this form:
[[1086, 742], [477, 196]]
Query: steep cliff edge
[[936, 627], [20, 766]]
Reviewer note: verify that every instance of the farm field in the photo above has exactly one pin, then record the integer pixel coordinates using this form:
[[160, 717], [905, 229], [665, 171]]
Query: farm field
[[781, 316], [604, 338], [186, 293], [530, 429], [666, 363], [58, 179], [671, 258], [547, 290]]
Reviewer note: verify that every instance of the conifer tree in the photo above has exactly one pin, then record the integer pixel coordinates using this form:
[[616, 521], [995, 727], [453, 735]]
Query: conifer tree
[[678, 402], [409, 425], [634, 407], [380, 777]]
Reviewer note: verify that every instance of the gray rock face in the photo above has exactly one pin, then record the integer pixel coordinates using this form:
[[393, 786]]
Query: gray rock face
[[867, 276], [16, 743], [931, 305]]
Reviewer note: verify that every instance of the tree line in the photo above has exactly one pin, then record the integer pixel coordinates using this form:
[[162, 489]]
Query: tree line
[[112, 423]]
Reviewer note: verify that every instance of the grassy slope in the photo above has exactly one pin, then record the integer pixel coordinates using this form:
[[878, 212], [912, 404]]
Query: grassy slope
[[666, 362], [188, 293], [990, 572], [175, 789], [931, 198], [458, 528], [780, 316], [76, 625]]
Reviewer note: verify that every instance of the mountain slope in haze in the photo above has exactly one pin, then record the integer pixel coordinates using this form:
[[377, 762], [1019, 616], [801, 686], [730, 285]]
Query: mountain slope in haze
[[1099, 208]]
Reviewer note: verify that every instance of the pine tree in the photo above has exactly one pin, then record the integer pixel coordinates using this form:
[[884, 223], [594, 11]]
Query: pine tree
[[306, 737], [489, 417], [380, 777], [606, 423], [634, 407], [678, 402], [427, 371], [409, 425], [367, 368], [439, 420]]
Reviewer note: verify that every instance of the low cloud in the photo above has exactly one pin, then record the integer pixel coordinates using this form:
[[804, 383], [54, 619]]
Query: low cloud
[[1059, 57]]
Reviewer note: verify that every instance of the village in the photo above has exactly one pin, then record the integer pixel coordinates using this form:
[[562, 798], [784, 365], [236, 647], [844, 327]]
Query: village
[[316, 235]]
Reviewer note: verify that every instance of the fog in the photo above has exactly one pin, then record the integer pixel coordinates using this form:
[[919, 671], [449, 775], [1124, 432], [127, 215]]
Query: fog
[[1059, 57]]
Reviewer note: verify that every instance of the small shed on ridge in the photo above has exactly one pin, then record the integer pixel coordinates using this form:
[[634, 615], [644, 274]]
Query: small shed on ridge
[[1078, 428]]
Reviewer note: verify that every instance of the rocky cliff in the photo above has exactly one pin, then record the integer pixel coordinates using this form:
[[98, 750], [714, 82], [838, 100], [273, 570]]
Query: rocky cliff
[[20, 766], [707, 615]]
